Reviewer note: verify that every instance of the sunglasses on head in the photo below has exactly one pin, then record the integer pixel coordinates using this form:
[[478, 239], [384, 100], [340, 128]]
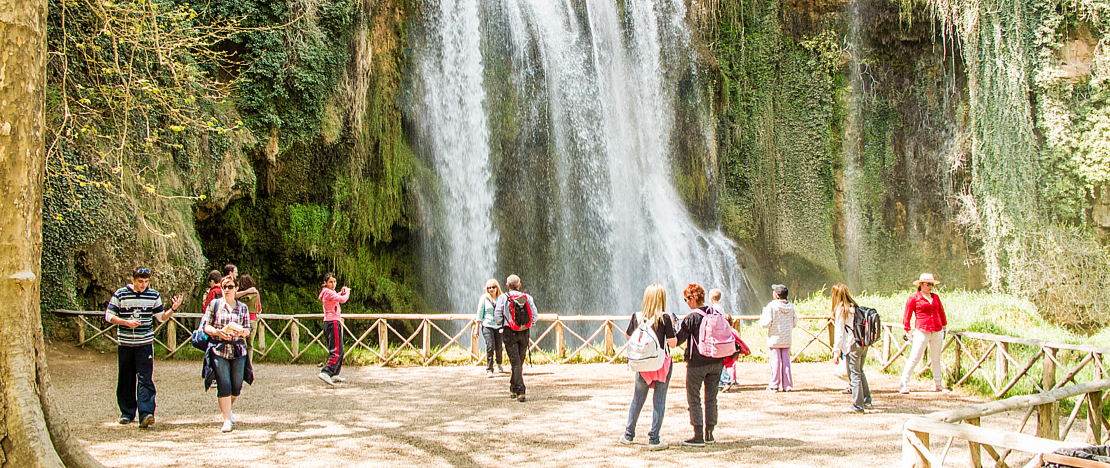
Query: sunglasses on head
[[143, 271], [690, 298]]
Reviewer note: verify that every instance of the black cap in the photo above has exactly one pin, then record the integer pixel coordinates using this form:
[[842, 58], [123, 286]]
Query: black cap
[[780, 290]]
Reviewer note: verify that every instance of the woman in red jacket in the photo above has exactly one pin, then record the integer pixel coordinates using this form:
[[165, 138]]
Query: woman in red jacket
[[929, 322]]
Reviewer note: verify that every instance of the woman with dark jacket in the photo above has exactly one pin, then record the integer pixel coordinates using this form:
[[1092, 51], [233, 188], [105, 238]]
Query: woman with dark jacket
[[227, 323]]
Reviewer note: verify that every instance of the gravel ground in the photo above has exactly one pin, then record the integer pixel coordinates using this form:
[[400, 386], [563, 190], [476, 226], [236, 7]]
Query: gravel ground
[[455, 416]]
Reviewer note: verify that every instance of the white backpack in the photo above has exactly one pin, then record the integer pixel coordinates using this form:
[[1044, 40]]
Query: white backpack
[[644, 352]]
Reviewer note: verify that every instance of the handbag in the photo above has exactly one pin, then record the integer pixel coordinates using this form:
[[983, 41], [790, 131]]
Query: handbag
[[199, 339]]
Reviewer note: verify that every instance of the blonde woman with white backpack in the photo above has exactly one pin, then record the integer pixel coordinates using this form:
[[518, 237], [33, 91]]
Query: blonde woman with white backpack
[[651, 333]]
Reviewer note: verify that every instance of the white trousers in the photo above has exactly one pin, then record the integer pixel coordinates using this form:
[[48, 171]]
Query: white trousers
[[935, 340]]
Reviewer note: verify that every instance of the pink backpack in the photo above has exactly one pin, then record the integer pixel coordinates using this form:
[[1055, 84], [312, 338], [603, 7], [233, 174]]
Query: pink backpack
[[715, 338]]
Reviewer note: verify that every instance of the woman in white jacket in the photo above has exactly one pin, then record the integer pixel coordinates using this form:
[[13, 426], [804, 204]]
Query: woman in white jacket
[[843, 309], [779, 319]]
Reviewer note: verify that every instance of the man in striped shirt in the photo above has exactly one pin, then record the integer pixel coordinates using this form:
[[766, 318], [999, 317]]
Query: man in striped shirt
[[133, 309]]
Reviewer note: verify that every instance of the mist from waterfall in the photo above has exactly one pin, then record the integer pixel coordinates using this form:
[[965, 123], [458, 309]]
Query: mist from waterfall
[[548, 125]]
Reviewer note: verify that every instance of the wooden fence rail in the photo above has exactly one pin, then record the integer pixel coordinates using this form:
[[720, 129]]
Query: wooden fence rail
[[1002, 362], [385, 342]]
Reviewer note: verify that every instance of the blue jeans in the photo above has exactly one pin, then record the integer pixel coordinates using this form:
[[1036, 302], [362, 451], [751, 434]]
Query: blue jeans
[[229, 376], [658, 406]]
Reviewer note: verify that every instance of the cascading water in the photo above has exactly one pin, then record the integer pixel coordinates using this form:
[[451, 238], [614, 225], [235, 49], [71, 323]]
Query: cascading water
[[549, 128]]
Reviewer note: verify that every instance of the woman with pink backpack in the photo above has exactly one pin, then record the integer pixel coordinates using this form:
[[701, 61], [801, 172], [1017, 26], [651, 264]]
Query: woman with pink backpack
[[709, 340]]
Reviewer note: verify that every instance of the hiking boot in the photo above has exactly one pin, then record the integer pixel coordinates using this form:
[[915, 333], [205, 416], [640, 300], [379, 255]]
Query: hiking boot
[[147, 421], [226, 427], [338, 379], [513, 396], [326, 378], [696, 441], [124, 420], [709, 438], [660, 445], [521, 398], [489, 373], [625, 440]]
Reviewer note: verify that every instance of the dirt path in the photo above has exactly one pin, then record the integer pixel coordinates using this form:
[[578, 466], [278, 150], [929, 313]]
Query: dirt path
[[455, 416]]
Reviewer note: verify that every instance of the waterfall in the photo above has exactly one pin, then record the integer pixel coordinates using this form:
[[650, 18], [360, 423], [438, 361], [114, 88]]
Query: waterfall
[[549, 126]]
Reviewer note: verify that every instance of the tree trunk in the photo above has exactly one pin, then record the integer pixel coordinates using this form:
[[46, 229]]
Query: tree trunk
[[33, 432]]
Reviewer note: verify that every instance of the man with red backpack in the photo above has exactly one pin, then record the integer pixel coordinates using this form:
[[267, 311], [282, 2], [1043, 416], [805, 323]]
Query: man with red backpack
[[516, 313], [709, 340]]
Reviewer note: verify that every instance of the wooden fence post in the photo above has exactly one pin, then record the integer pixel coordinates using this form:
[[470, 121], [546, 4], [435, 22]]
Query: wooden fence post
[[261, 335], [80, 331], [886, 344], [1048, 415], [171, 336], [1001, 364], [560, 345], [383, 339], [911, 455], [1094, 418], [831, 324], [608, 338], [295, 339], [474, 339], [956, 366], [976, 454], [426, 339]]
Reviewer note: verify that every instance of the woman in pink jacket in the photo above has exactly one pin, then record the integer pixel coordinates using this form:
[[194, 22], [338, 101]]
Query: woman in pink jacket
[[333, 329], [929, 321]]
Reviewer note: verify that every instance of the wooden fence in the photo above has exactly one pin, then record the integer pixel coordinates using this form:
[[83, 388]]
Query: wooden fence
[[964, 423], [386, 343], [1002, 362]]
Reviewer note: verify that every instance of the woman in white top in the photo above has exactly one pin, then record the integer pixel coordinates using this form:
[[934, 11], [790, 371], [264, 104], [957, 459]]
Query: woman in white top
[[491, 330], [843, 309]]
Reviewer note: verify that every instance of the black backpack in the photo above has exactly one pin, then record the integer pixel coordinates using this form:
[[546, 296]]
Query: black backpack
[[867, 326], [520, 315]]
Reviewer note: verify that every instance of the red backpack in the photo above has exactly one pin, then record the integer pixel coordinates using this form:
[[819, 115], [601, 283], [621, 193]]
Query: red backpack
[[519, 316]]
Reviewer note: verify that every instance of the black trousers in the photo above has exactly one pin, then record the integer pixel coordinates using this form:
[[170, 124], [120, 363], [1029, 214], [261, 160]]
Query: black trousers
[[516, 346], [333, 339], [696, 378], [136, 366], [494, 344]]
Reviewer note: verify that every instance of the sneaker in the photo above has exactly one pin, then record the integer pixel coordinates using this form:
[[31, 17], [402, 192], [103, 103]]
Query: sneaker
[[512, 395], [338, 379], [855, 410], [124, 420], [939, 388], [226, 427], [903, 390], [147, 421], [868, 406], [521, 398], [500, 370], [709, 438], [231, 416], [657, 446], [625, 440], [694, 442], [326, 378], [489, 373], [772, 389], [846, 391]]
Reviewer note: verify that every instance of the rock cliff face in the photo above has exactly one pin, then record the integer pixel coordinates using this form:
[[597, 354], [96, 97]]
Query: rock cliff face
[[856, 141]]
